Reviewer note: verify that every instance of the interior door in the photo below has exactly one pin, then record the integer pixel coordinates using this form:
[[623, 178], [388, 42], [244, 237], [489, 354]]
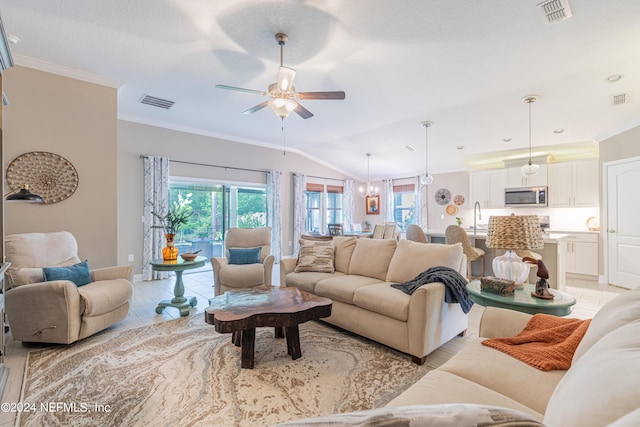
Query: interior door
[[622, 231]]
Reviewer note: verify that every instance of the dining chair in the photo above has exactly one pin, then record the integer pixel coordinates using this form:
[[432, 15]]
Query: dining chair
[[389, 230], [378, 232], [457, 234]]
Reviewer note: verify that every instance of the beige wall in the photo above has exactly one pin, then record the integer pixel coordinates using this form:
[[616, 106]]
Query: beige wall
[[136, 139], [78, 121], [621, 146], [456, 183]]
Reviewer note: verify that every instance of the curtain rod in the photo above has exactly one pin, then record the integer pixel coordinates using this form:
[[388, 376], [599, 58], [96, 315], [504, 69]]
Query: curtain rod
[[142, 156], [322, 177]]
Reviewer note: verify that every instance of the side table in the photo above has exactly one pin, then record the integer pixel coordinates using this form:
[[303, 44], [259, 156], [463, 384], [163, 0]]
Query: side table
[[522, 300], [179, 301]]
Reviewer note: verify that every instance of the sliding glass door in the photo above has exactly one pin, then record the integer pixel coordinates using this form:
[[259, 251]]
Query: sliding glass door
[[215, 208]]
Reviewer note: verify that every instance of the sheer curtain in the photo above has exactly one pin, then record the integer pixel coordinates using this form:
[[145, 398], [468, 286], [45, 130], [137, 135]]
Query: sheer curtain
[[299, 208], [347, 204], [388, 200], [156, 199], [422, 213], [274, 212]]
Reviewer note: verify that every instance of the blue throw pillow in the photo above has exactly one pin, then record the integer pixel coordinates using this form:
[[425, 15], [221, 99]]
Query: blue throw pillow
[[244, 256], [78, 273]]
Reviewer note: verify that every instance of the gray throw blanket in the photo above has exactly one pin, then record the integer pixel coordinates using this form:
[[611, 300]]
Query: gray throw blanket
[[454, 285]]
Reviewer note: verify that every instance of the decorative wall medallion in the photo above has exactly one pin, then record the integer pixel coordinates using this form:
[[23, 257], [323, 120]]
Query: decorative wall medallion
[[459, 200], [451, 209], [442, 196], [48, 175]]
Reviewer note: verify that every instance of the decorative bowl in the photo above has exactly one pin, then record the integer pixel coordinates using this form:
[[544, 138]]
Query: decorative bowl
[[188, 256]]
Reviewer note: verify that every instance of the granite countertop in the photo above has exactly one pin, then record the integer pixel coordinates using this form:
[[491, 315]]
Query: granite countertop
[[549, 237]]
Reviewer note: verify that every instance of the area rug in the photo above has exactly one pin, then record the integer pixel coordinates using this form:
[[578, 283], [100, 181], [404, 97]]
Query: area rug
[[182, 372]]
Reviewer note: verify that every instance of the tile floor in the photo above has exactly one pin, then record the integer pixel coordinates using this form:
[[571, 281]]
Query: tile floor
[[590, 297]]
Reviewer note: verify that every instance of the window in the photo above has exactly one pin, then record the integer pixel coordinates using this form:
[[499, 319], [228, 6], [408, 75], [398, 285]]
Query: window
[[404, 205], [323, 202]]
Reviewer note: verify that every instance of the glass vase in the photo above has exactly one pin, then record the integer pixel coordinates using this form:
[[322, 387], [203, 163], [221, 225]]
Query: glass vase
[[170, 252]]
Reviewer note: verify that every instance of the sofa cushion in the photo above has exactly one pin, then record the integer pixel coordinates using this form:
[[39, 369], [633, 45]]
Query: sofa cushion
[[602, 385], [447, 415], [504, 374], [315, 256], [412, 258], [380, 298], [438, 387], [307, 281], [371, 257], [105, 296], [77, 273], [246, 274], [344, 251], [619, 311], [342, 288]]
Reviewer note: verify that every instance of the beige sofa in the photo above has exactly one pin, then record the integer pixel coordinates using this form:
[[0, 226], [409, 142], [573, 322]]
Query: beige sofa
[[366, 304], [602, 387]]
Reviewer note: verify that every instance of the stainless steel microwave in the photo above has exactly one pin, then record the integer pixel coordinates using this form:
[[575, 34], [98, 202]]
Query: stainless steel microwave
[[525, 197]]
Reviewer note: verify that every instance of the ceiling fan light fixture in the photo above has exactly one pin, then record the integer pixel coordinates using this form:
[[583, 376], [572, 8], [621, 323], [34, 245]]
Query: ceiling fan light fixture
[[285, 78], [282, 107]]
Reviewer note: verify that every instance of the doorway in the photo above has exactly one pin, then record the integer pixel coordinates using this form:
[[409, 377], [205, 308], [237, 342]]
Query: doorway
[[622, 228]]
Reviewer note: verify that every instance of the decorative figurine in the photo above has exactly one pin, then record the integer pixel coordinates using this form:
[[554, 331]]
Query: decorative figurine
[[542, 287]]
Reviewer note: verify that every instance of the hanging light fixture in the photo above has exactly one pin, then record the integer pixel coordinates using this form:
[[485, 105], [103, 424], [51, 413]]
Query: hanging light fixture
[[530, 168], [24, 195], [370, 190], [427, 179]]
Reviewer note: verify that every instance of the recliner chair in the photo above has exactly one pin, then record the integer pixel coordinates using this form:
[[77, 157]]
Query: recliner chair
[[247, 274], [59, 311]]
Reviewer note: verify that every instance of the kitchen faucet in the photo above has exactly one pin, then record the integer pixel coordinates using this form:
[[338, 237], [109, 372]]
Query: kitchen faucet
[[477, 204]]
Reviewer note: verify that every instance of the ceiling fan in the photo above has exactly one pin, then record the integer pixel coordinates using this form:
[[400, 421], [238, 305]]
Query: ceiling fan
[[284, 98]]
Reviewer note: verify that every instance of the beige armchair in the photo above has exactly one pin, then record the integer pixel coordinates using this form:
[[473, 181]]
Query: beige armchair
[[232, 276], [59, 311]]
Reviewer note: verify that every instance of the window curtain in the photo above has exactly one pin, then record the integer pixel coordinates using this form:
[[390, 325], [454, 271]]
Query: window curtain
[[274, 212], [421, 213], [348, 205], [156, 199], [299, 208], [388, 200]]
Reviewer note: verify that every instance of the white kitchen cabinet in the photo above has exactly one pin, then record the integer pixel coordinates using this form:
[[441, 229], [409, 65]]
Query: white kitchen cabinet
[[574, 184], [515, 177], [487, 187], [582, 253]]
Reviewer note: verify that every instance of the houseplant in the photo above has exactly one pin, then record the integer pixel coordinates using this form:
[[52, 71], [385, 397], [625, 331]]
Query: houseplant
[[171, 222]]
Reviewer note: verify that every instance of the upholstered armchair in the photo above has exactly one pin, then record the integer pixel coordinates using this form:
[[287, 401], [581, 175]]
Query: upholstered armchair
[[53, 297], [248, 261]]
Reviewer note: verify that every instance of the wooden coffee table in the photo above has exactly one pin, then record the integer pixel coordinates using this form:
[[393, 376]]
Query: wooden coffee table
[[242, 311]]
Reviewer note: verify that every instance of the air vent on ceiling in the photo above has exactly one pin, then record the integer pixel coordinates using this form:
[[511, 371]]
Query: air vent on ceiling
[[619, 99], [555, 10], [156, 102]]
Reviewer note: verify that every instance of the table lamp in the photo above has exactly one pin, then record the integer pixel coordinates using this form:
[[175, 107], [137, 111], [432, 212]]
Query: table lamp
[[513, 232]]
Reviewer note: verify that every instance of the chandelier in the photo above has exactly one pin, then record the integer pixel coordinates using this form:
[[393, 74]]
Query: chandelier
[[370, 190], [427, 179], [530, 168]]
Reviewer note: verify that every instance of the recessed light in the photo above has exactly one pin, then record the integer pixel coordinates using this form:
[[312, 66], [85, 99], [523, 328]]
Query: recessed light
[[460, 147], [410, 148], [507, 139], [559, 130], [614, 78]]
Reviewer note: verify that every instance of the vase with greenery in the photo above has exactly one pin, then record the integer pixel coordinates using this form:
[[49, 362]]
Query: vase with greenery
[[171, 222]]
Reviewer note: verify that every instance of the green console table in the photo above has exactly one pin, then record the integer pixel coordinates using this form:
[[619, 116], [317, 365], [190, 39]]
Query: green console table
[[179, 301], [522, 300]]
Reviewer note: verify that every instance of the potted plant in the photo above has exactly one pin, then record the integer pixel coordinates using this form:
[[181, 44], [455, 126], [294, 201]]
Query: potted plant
[[171, 222]]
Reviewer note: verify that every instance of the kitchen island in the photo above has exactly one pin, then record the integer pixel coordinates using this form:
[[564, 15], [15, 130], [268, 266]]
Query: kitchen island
[[553, 255]]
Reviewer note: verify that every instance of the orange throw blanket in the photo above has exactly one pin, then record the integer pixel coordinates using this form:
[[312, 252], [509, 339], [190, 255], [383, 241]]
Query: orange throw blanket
[[546, 343]]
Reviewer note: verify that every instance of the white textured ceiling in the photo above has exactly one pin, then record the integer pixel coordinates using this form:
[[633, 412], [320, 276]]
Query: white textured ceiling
[[465, 65]]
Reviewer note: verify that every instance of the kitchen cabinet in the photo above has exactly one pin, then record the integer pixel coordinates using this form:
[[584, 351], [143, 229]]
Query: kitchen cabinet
[[515, 177], [574, 184], [487, 187], [582, 253]]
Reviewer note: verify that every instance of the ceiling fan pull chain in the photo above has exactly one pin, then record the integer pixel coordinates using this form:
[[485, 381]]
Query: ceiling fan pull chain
[[284, 139]]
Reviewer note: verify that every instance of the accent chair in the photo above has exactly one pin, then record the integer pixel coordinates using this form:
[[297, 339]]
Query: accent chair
[[248, 261], [53, 297]]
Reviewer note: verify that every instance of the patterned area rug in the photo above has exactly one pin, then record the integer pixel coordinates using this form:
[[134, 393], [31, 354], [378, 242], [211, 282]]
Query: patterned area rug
[[182, 372]]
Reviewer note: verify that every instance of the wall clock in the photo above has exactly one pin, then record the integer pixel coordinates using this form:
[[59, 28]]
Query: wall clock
[[442, 196], [48, 175]]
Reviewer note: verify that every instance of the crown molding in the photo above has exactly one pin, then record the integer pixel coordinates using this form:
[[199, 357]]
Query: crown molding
[[49, 67]]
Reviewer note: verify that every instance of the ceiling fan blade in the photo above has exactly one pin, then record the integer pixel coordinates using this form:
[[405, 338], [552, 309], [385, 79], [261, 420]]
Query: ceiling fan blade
[[321, 95], [241, 89], [256, 108], [303, 112], [285, 78]]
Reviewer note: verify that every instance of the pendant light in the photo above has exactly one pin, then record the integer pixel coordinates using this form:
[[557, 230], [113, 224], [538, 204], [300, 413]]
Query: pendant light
[[370, 191], [24, 195], [427, 179], [530, 168]]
